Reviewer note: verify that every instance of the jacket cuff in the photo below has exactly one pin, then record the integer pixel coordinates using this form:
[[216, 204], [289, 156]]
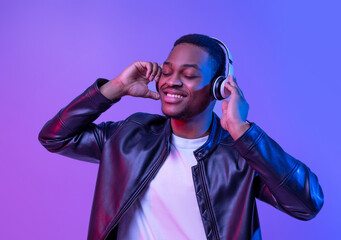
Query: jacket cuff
[[248, 140], [97, 98]]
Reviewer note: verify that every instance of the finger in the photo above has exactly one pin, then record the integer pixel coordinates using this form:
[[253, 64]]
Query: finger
[[154, 71], [152, 95], [230, 88], [227, 93], [234, 79], [234, 83], [158, 75], [230, 80], [149, 68]]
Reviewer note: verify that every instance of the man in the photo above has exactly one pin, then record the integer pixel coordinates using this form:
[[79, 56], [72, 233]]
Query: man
[[188, 175]]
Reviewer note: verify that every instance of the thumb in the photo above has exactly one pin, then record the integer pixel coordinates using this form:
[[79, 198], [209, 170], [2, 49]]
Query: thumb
[[224, 106], [152, 95]]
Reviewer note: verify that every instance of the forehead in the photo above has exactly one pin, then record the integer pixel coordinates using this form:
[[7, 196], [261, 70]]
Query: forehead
[[186, 53]]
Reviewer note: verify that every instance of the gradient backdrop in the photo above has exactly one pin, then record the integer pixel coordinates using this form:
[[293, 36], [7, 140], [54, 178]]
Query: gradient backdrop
[[286, 59]]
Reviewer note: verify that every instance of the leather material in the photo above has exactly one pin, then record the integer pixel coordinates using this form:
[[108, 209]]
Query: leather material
[[228, 178]]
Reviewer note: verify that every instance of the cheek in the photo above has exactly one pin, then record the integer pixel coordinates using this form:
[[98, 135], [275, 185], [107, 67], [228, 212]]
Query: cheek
[[194, 86], [201, 84], [161, 81], [202, 97]]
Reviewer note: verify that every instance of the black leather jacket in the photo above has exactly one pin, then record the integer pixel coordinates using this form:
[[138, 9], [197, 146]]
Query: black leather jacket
[[227, 179]]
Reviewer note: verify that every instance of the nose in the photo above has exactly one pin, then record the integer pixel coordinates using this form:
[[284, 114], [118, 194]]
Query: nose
[[174, 81]]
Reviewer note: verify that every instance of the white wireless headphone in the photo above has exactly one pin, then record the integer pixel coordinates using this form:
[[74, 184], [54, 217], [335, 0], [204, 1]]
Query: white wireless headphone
[[218, 83]]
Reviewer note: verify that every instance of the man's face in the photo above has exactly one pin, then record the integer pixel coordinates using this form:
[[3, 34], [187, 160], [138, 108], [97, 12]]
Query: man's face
[[184, 86]]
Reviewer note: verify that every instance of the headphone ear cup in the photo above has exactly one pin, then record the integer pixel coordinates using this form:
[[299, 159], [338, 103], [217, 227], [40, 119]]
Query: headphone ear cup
[[218, 91]]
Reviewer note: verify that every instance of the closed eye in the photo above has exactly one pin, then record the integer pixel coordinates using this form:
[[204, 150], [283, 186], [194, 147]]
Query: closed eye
[[190, 77]]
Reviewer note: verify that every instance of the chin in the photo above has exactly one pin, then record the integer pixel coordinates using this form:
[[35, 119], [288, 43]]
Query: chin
[[183, 115], [174, 115]]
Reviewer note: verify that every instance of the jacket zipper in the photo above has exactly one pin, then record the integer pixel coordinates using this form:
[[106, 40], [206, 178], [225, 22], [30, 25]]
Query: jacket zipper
[[207, 200], [133, 198]]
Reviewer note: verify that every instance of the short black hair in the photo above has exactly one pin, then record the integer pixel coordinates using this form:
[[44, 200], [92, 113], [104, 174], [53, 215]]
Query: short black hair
[[213, 48]]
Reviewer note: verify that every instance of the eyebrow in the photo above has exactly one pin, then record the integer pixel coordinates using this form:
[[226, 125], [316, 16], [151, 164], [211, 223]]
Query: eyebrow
[[184, 65]]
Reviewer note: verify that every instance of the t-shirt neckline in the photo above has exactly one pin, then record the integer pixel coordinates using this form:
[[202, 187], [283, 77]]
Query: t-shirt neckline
[[188, 143]]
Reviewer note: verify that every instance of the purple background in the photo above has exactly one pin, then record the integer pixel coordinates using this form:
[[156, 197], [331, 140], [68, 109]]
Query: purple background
[[286, 60]]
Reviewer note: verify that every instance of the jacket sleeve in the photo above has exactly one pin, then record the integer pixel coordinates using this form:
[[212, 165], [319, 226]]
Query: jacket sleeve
[[282, 181], [72, 132]]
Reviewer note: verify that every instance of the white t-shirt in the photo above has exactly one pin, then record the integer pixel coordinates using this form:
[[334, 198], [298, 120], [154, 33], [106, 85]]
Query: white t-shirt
[[168, 208]]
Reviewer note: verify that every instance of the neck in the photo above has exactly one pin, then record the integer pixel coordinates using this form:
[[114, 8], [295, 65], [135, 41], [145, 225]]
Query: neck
[[196, 127]]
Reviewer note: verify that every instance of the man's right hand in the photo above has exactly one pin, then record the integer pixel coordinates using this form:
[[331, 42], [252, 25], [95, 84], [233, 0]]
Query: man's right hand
[[133, 81]]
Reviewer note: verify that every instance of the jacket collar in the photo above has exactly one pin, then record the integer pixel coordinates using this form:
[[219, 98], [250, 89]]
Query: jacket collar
[[216, 135], [213, 140]]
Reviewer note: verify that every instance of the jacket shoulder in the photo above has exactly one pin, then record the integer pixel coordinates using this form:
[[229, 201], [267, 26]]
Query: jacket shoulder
[[153, 122], [141, 117]]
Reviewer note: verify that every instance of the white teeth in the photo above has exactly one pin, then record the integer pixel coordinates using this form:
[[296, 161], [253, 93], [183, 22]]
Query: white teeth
[[174, 95]]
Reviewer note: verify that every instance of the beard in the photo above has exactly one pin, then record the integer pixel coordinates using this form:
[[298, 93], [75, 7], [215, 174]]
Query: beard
[[178, 116], [184, 114]]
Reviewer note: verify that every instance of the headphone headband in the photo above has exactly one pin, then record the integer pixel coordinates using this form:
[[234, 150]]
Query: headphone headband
[[228, 57]]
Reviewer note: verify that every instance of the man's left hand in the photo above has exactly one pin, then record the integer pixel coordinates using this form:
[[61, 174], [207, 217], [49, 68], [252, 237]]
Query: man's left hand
[[235, 110]]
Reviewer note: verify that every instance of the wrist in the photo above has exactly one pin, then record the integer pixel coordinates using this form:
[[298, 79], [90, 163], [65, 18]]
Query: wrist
[[236, 130], [113, 89]]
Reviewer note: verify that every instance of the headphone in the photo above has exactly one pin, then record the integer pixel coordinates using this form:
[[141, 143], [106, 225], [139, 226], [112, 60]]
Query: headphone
[[217, 87], [217, 84]]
